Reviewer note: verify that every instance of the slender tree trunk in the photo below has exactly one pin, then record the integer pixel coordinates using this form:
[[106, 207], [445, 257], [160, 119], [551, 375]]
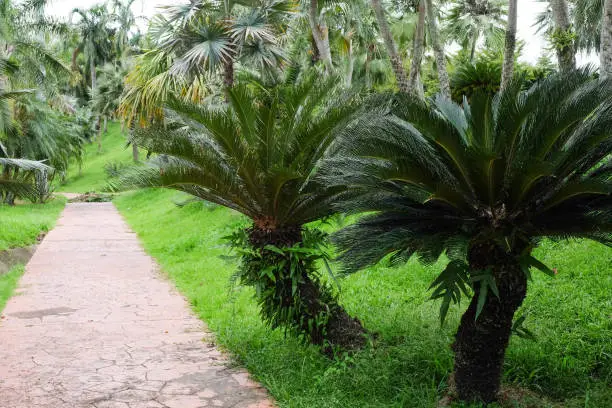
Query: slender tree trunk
[[566, 53], [368, 66], [396, 60], [438, 50], [320, 34], [351, 65], [99, 135], [93, 77], [315, 57], [228, 73], [105, 124], [473, 49], [508, 66], [480, 345], [605, 52], [417, 52]]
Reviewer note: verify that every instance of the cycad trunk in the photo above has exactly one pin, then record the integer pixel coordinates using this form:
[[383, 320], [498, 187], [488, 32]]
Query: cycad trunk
[[396, 61], [417, 52], [605, 53], [566, 51], [480, 345], [508, 66], [438, 50], [300, 306], [320, 34]]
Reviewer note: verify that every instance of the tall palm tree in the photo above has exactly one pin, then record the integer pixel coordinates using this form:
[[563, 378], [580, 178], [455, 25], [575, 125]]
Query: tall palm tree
[[391, 46], [418, 48], [605, 53], [510, 45], [483, 182], [256, 155], [107, 95], [563, 35], [124, 17], [469, 20], [95, 42], [438, 48], [207, 36]]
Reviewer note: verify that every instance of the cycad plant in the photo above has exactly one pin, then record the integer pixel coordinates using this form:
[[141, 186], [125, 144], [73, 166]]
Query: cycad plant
[[256, 155], [482, 183]]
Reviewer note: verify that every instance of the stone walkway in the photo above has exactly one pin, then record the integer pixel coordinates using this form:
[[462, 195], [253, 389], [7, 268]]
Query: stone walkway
[[94, 325]]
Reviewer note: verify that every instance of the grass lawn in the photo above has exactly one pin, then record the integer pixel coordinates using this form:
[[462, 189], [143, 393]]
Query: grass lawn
[[8, 283], [570, 365], [21, 224], [93, 176]]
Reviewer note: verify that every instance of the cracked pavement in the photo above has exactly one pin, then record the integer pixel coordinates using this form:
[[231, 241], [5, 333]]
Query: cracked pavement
[[93, 324]]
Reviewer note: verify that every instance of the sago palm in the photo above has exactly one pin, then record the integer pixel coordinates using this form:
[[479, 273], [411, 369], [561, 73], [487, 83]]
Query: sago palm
[[483, 183], [256, 155]]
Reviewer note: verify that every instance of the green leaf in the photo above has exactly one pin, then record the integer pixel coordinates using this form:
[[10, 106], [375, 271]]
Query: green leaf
[[527, 261], [274, 249], [449, 285]]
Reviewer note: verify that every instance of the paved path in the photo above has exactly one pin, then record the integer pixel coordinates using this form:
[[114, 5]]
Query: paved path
[[94, 325]]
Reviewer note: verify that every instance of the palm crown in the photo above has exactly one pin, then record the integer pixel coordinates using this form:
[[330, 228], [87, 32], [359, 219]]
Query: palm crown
[[509, 169], [254, 155]]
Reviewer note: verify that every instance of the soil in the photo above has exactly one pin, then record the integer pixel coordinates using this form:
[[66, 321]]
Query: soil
[[15, 256]]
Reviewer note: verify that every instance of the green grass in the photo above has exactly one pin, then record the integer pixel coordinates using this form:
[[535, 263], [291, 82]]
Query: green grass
[[569, 366], [8, 283], [21, 224], [93, 176]]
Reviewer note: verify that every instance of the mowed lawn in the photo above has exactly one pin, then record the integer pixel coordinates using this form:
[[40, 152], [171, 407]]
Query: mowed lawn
[[570, 364], [93, 176]]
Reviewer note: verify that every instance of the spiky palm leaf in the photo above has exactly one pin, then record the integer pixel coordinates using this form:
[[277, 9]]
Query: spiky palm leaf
[[255, 155], [513, 168]]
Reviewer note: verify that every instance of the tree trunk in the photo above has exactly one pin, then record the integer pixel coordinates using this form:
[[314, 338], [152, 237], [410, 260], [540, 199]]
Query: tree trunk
[[297, 307], [605, 52], [417, 52], [473, 49], [438, 51], [135, 153], [105, 124], [315, 57], [480, 345], [93, 78], [508, 66], [228, 73], [368, 66], [351, 65], [320, 34], [566, 53], [99, 135], [396, 61]]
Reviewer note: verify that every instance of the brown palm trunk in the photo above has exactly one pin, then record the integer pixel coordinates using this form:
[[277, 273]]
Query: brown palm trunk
[[394, 56], [315, 299], [566, 53], [605, 52], [417, 52], [508, 66], [480, 345], [438, 50]]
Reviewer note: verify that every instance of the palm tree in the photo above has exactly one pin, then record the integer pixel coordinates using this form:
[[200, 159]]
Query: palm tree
[[482, 183], [256, 155], [206, 36], [418, 48], [107, 95], [469, 20], [587, 19], [563, 35], [438, 50], [95, 41], [510, 45], [605, 53], [126, 20], [396, 60]]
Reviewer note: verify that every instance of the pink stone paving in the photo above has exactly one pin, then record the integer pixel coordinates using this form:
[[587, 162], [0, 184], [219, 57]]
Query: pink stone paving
[[93, 324]]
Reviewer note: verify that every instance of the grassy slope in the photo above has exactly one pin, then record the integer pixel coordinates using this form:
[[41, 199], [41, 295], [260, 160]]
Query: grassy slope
[[93, 177], [21, 224], [8, 283], [570, 364]]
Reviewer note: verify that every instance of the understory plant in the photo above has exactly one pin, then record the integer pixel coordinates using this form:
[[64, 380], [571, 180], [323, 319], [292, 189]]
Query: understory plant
[[256, 155], [483, 183]]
